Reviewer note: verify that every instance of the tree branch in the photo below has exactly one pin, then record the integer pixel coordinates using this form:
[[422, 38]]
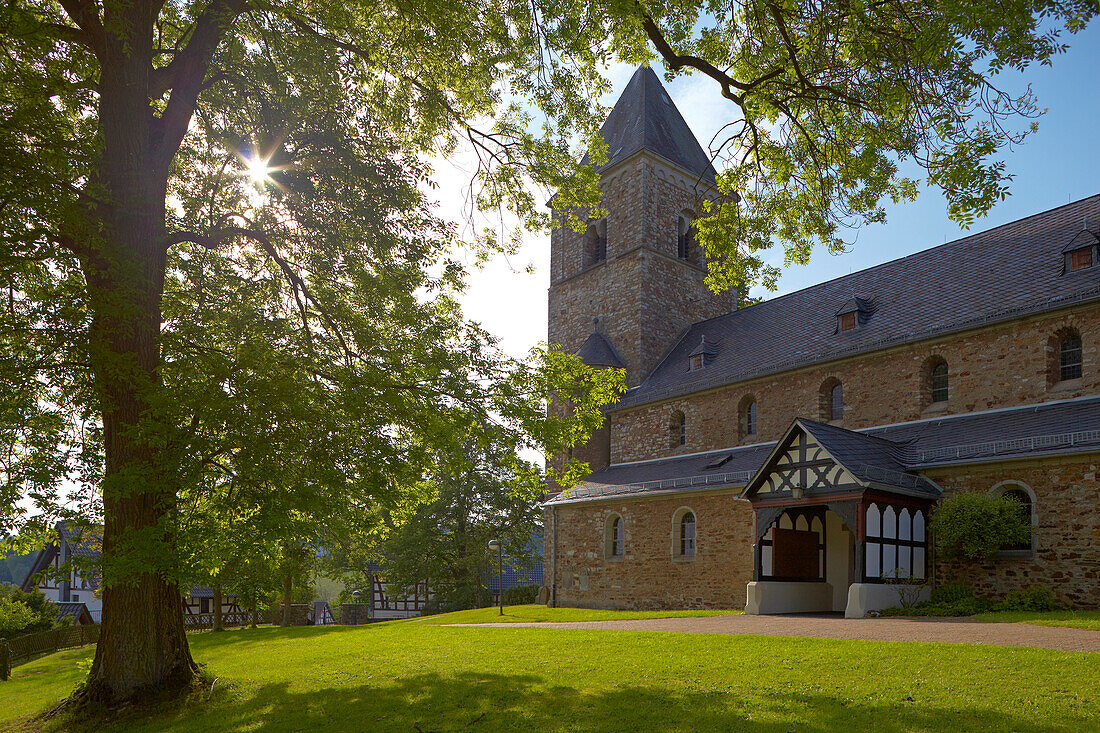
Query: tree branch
[[86, 16], [186, 75]]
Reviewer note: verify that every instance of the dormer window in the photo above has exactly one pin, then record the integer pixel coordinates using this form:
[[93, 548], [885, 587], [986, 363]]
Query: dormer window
[[1081, 253], [853, 315], [701, 355]]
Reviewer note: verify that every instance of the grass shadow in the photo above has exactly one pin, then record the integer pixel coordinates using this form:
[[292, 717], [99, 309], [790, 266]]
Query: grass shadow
[[508, 702]]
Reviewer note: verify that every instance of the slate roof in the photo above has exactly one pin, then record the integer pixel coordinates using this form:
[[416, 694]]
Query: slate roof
[[202, 591], [1052, 428], [75, 613], [598, 351], [514, 577], [860, 453], [1005, 273], [644, 117]]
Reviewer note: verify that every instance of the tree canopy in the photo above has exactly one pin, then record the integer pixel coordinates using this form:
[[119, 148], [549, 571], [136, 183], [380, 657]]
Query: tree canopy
[[226, 288]]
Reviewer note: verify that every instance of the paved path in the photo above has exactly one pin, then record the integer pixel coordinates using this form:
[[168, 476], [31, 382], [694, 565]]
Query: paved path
[[953, 631]]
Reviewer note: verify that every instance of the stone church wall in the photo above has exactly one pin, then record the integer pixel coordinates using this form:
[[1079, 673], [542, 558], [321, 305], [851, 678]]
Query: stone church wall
[[1066, 544], [649, 575], [1001, 366]]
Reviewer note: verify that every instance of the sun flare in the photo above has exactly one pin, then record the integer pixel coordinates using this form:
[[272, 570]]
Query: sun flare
[[258, 170]]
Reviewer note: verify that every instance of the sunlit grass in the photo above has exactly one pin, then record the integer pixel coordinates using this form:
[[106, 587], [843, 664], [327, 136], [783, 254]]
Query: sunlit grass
[[1076, 619], [401, 677], [539, 614]]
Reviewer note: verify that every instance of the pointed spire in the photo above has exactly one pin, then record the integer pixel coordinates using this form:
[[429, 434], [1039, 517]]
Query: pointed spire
[[645, 118]]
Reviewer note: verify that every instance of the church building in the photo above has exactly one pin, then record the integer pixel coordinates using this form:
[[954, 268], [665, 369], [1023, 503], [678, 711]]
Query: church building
[[786, 456]]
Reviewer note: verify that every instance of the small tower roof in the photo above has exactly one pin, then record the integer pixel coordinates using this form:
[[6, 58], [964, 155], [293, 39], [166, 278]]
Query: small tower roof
[[644, 118], [598, 351]]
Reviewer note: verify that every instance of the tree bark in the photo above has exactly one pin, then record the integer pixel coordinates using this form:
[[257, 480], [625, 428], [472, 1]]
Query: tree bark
[[218, 606], [142, 646]]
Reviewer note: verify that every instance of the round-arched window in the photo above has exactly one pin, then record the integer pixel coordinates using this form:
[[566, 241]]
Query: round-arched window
[[687, 534], [615, 543]]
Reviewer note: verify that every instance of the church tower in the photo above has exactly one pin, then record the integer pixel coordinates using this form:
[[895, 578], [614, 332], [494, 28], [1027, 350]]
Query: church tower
[[623, 291]]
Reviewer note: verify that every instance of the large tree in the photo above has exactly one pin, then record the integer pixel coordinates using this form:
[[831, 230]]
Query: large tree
[[130, 235]]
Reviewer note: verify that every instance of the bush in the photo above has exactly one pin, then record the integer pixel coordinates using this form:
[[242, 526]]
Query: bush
[[22, 613], [520, 595], [975, 526], [951, 592], [1035, 598], [958, 599]]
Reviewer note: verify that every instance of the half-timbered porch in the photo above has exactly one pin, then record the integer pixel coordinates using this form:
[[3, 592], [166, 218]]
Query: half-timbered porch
[[839, 523]]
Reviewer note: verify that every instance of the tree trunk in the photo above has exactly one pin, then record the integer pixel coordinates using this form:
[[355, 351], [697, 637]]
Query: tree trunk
[[142, 647], [218, 606], [287, 585]]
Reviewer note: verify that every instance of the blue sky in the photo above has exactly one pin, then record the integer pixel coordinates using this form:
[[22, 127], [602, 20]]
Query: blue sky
[[1058, 164]]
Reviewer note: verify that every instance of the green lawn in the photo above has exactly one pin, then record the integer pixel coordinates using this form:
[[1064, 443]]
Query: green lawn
[[536, 614], [401, 677], [1076, 619]]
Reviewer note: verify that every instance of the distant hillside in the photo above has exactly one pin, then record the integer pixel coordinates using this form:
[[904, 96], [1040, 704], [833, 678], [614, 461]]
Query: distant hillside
[[14, 568]]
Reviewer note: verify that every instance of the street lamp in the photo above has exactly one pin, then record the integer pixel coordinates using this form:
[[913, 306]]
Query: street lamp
[[355, 595], [495, 545]]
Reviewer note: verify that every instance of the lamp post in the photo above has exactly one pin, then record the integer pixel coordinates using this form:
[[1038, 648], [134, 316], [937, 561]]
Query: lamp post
[[495, 545], [355, 595]]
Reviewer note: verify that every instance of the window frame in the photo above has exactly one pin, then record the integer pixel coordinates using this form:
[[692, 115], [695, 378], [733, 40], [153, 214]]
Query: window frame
[[615, 537], [848, 321], [1010, 485], [1082, 251], [687, 543], [939, 394], [746, 421], [1070, 370]]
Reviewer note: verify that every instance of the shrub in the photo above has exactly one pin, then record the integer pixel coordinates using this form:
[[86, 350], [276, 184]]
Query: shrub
[[974, 526], [22, 613], [951, 592], [520, 595], [1035, 598]]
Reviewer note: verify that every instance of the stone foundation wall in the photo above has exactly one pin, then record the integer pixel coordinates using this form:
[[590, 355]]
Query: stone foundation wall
[[650, 574], [1066, 543], [1001, 366]]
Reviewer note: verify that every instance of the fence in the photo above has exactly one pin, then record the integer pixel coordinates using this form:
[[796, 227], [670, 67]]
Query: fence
[[204, 621], [23, 648]]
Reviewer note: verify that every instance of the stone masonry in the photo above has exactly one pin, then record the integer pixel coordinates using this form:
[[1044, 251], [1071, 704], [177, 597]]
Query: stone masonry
[[650, 574], [1065, 555], [999, 366], [643, 295]]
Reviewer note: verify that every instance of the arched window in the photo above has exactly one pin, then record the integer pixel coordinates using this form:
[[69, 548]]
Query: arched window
[[615, 536], [746, 416], [935, 386], [831, 400], [939, 382], [685, 238], [687, 534], [1024, 499], [1069, 357], [677, 430], [595, 241]]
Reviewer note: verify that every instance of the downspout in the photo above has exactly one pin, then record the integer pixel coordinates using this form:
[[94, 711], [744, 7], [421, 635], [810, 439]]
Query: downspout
[[554, 557]]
